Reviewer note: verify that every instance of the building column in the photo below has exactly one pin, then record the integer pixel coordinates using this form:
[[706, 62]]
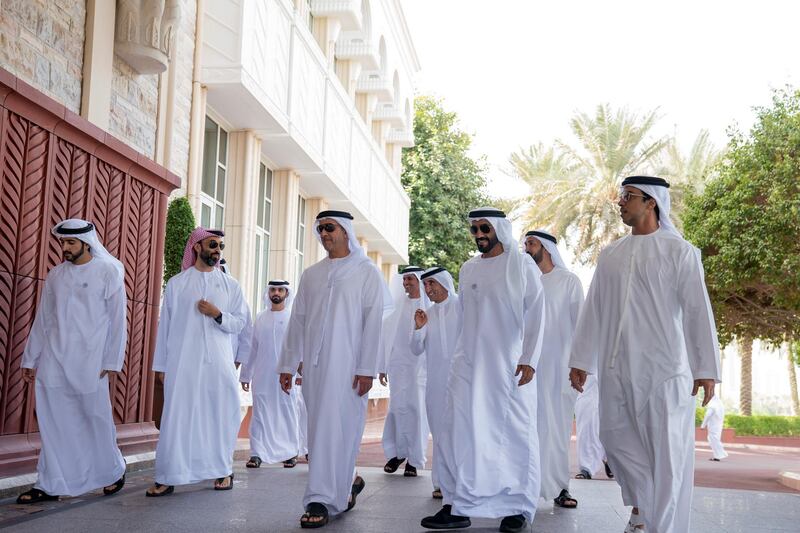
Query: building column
[[388, 269], [98, 62], [313, 250], [283, 242], [241, 206], [376, 258], [198, 120]]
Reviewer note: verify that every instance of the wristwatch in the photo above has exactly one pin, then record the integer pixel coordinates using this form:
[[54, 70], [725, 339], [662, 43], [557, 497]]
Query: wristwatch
[[218, 318]]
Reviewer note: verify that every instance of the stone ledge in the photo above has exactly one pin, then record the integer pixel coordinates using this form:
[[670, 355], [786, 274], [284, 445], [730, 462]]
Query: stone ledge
[[790, 479]]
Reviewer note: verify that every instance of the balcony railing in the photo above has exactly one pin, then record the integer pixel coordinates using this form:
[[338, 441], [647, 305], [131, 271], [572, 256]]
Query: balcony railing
[[358, 49], [348, 12], [401, 137], [391, 114], [375, 83]]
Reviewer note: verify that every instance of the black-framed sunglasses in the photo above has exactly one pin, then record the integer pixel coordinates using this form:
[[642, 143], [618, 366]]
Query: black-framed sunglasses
[[330, 227], [216, 244], [485, 228], [625, 195]]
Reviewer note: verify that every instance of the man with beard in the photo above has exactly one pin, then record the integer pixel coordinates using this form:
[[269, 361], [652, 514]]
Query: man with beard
[[556, 399], [647, 331], [435, 334], [77, 340], [335, 330], [273, 427], [492, 468], [202, 308], [405, 432]]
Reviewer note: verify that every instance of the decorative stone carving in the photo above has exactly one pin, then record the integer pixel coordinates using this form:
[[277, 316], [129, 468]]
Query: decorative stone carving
[[145, 33]]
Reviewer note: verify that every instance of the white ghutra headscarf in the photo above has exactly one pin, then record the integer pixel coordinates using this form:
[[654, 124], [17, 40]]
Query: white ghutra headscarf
[[550, 243], [75, 228], [658, 188]]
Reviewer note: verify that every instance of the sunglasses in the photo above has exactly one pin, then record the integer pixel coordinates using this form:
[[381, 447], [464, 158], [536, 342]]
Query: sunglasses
[[485, 228], [216, 244], [626, 195], [329, 227]]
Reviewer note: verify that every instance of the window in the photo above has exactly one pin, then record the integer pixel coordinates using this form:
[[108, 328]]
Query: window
[[263, 233], [215, 164], [300, 245]]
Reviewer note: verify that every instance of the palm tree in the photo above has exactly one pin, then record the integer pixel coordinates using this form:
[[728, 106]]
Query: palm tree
[[687, 174], [573, 189]]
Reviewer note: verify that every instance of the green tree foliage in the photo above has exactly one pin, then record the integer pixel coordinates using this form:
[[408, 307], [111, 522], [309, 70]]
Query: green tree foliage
[[747, 224], [444, 183], [180, 223]]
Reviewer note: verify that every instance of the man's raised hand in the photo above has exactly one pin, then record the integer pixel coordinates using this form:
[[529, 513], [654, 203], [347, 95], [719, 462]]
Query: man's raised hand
[[207, 308], [420, 319]]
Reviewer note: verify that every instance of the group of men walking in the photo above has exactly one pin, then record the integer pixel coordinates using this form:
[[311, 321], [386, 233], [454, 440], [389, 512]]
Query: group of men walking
[[492, 371]]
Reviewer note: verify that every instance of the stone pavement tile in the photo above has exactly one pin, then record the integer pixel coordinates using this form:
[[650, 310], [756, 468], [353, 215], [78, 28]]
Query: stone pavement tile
[[270, 500]]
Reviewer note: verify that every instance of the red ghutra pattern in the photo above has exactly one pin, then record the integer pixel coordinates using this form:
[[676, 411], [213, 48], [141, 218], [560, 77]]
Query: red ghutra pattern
[[55, 165]]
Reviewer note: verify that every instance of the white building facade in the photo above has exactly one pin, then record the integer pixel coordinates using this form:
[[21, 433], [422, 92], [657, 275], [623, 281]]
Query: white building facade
[[304, 105]]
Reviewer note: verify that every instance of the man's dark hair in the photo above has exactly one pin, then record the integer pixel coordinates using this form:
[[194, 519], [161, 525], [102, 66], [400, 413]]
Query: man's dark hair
[[648, 197]]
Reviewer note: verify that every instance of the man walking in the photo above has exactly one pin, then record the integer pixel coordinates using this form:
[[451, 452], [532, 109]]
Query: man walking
[[556, 399], [648, 333], [202, 308], [77, 341], [273, 426], [436, 333], [405, 431], [335, 330], [492, 469]]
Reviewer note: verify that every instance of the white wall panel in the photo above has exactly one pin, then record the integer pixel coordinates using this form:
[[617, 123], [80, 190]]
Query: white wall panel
[[338, 126], [307, 93]]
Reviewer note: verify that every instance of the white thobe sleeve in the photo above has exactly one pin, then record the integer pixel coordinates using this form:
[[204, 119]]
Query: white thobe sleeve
[[417, 344], [534, 325], [234, 320], [116, 306], [371, 325], [699, 330], [292, 349], [583, 353], [575, 301], [245, 347], [38, 335], [162, 336], [246, 373]]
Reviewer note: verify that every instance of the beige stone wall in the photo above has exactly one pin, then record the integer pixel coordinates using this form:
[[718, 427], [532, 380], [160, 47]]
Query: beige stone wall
[[184, 63], [134, 107], [41, 42]]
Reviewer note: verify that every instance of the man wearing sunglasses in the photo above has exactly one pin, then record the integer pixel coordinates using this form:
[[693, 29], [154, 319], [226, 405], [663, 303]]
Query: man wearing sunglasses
[[648, 333], [405, 432], [335, 330], [492, 468], [201, 309]]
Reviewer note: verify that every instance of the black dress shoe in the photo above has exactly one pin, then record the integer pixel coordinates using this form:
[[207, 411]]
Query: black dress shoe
[[513, 524], [444, 520]]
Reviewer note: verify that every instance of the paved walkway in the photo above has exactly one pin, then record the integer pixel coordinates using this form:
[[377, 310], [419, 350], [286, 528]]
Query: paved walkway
[[269, 500]]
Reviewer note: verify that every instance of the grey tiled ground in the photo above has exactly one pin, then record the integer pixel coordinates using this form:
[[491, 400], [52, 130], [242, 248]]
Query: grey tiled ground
[[269, 500]]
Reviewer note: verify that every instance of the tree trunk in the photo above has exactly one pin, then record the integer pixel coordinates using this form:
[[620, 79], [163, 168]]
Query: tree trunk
[[746, 388], [793, 378]]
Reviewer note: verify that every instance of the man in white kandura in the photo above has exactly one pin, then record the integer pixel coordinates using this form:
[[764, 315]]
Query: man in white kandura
[[335, 330], [202, 308], [77, 340], [556, 399], [273, 427], [405, 432], [436, 333], [647, 331], [713, 422], [492, 468], [591, 454]]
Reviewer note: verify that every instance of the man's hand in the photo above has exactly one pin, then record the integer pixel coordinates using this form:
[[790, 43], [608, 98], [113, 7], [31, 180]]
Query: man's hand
[[298, 381], [286, 382], [28, 375], [362, 384], [207, 308], [109, 373], [420, 319], [577, 378], [708, 389], [527, 372], [245, 386], [160, 377], [383, 377]]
